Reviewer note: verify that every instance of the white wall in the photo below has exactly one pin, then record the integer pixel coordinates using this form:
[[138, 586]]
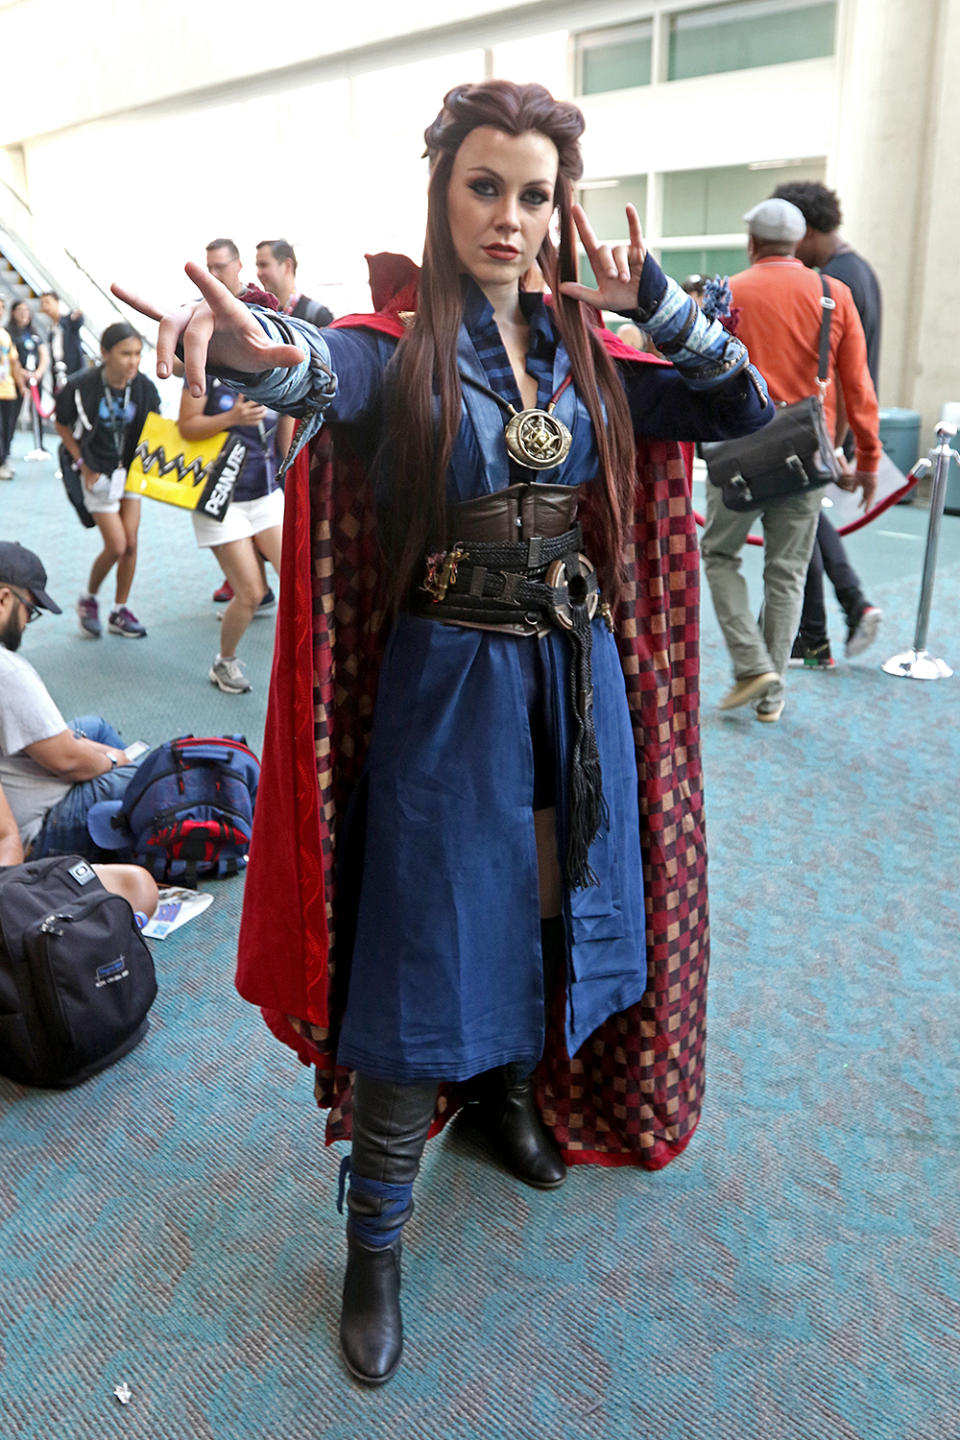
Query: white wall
[[896, 166], [104, 56]]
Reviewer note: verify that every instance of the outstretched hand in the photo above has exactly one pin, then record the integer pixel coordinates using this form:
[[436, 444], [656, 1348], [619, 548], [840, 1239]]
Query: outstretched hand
[[617, 267], [218, 328]]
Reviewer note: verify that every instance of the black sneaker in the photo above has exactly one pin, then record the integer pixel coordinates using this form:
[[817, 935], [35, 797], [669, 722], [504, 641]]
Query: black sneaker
[[812, 656]]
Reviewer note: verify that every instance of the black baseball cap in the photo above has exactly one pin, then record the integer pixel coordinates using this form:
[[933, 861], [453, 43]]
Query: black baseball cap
[[19, 566]]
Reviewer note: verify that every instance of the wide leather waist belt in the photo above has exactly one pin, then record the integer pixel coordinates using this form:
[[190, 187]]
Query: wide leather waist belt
[[522, 588], [516, 513]]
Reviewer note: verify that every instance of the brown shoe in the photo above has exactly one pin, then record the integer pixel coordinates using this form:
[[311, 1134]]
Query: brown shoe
[[772, 714], [748, 689]]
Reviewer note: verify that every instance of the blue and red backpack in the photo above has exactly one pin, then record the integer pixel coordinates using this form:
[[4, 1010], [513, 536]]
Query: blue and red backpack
[[187, 811]]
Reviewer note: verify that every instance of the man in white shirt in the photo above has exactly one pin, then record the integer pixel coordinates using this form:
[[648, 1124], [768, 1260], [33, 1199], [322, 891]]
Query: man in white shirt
[[52, 771]]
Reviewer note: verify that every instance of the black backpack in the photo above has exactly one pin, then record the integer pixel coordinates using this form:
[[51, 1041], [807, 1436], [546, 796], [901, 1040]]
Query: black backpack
[[76, 975], [73, 484]]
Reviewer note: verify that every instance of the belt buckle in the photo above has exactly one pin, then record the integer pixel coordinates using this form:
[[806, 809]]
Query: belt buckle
[[570, 591], [442, 572]]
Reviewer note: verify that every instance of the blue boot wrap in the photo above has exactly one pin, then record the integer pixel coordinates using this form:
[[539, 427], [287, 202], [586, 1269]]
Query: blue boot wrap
[[396, 1204]]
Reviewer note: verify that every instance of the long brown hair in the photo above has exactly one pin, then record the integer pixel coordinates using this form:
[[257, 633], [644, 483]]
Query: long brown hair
[[425, 399]]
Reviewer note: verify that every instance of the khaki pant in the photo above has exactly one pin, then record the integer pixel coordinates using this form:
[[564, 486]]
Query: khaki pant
[[789, 528]]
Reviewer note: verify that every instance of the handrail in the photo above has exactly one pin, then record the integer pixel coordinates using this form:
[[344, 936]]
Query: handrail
[[24, 238]]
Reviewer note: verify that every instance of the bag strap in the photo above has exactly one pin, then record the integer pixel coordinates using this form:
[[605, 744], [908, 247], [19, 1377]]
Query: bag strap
[[823, 363]]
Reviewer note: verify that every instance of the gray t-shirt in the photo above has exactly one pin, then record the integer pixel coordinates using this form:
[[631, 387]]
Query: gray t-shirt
[[27, 714]]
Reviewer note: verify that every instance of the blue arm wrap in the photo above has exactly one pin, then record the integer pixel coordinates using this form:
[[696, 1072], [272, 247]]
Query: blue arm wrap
[[702, 350], [305, 390]]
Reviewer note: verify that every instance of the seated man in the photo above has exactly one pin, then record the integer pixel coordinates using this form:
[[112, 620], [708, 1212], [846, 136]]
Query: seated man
[[136, 885], [52, 772]]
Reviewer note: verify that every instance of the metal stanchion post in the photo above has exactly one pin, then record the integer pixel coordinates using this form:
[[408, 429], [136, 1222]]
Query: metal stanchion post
[[916, 664]]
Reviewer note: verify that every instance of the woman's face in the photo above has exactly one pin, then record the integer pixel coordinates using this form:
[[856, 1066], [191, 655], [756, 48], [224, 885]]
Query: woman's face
[[20, 315], [499, 202], [122, 362]]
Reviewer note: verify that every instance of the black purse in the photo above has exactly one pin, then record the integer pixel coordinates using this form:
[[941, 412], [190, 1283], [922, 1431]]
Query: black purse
[[790, 455]]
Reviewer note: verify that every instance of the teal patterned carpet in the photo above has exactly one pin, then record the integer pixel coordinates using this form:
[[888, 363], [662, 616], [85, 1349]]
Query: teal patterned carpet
[[795, 1275]]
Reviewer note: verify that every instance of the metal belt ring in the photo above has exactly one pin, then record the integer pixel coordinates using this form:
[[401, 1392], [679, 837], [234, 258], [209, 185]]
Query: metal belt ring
[[570, 591]]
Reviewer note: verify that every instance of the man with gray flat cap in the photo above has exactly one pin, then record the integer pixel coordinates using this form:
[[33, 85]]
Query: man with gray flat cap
[[52, 772], [781, 307]]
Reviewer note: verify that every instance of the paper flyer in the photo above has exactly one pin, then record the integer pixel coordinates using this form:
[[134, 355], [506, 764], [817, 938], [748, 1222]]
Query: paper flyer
[[176, 907]]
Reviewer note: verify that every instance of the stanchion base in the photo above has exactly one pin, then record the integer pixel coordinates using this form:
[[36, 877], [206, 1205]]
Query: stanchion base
[[37, 455], [917, 665]]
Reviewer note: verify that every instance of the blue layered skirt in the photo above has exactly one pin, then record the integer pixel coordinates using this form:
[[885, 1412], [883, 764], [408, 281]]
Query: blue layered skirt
[[472, 730]]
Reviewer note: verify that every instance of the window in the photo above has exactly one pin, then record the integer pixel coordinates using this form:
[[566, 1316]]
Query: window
[[714, 202], [678, 264], [746, 34], [614, 59], [605, 202]]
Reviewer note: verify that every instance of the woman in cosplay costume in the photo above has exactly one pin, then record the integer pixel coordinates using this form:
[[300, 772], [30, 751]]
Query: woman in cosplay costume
[[481, 771]]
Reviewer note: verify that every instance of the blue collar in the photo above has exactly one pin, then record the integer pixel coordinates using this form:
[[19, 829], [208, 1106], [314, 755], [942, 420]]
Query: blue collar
[[479, 321]]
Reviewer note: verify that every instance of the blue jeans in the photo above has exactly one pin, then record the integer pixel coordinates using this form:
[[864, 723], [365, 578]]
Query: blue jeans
[[64, 829]]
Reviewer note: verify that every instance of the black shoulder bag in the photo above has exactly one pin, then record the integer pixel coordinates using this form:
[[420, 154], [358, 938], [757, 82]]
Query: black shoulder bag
[[790, 455]]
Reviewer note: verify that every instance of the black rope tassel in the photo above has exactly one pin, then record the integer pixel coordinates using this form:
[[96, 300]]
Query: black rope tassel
[[587, 811]]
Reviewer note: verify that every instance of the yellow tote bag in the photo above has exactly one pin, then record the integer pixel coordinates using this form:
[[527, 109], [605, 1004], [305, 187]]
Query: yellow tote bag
[[196, 475]]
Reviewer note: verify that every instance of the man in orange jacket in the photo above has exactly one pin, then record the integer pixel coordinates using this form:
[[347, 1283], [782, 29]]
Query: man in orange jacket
[[780, 304]]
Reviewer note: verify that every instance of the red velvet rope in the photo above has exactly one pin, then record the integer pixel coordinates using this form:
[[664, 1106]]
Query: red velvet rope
[[35, 397], [893, 498]]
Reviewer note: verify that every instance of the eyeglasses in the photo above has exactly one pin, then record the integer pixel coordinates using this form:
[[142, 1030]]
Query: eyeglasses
[[33, 611]]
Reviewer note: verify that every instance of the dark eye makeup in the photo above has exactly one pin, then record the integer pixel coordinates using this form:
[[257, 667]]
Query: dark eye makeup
[[489, 188]]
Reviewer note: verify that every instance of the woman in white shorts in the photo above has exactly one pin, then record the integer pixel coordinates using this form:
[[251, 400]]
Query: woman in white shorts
[[253, 524], [99, 416]]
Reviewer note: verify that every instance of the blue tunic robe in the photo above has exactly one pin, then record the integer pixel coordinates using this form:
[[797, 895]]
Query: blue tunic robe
[[446, 977]]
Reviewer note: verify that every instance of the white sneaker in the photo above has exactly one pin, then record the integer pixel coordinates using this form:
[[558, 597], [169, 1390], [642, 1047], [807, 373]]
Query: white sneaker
[[7, 472], [228, 675], [863, 631]]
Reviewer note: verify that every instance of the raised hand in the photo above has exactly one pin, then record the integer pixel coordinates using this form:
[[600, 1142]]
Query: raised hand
[[617, 267], [246, 412], [219, 328]]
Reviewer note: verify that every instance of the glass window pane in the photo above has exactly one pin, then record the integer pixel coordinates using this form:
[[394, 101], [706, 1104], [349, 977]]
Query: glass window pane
[[714, 201], [605, 202], [585, 270], [615, 59], [678, 264], [751, 33]]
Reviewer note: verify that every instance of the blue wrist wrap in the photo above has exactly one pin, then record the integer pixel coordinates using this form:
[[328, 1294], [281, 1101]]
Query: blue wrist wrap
[[305, 390], [702, 350]]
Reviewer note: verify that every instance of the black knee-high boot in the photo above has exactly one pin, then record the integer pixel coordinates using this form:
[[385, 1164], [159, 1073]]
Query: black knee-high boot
[[390, 1124], [507, 1107]]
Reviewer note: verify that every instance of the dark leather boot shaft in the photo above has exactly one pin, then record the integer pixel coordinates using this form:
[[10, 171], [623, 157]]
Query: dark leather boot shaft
[[371, 1324], [390, 1124], [522, 1140]]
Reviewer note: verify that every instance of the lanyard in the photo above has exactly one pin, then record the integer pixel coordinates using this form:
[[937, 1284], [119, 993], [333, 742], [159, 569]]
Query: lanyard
[[117, 418]]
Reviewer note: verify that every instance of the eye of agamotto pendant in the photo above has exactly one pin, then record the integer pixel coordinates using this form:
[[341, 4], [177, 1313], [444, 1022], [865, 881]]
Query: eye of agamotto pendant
[[537, 440]]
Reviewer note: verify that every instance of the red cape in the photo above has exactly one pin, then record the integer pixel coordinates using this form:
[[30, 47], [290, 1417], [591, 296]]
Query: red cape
[[632, 1094]]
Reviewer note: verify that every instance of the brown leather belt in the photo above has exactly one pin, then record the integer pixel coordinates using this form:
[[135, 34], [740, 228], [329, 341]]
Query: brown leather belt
[[510, 560], [518, 513]]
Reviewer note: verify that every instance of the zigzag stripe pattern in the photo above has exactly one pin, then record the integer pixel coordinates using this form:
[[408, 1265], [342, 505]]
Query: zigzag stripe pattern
[[148, 458]]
